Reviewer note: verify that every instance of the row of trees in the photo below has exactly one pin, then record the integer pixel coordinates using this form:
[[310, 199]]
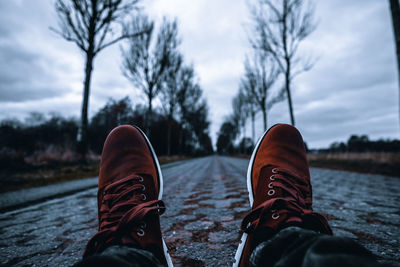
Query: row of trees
[[186, 136], [277, 30], [154, 64], [363, 144], [40, 134], [151, 62]]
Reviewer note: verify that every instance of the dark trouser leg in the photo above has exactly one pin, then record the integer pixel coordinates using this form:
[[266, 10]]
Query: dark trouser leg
[[121, 256], [295, 246]]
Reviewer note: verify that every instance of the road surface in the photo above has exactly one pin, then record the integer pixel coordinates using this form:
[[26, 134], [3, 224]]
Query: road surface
[[206, 199]]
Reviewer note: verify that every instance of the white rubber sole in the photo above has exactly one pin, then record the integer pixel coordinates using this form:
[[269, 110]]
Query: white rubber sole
[[239, 250], [160, 193], [243, 240], [160, 177]]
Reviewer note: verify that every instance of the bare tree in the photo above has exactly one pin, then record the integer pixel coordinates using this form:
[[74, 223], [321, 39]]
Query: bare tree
[[395, 10], [169, 95], [240, 111], [146, 61], [91, 25], [259, 79], [227, 133], [280, 26], [189, 95], [247, 88]]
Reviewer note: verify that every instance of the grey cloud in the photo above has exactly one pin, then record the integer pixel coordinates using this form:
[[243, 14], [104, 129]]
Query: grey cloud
[[19, 93], [335, 121], [23, 77], [27, 72]]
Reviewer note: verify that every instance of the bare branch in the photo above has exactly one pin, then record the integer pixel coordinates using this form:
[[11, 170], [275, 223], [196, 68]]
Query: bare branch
[[69, 38], [67, 26], [280, 30], [90, 23], [82, 8], [125, 36]]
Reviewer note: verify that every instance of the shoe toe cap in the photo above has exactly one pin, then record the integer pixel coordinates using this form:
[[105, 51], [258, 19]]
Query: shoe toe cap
[[125, 152], [282, 146]]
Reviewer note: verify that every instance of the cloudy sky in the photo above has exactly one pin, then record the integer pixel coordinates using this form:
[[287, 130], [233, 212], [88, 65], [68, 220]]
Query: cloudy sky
[[352, 88]]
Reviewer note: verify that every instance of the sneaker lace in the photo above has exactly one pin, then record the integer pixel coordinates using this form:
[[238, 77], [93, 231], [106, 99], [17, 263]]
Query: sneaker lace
[[295, 201], [123, 209]]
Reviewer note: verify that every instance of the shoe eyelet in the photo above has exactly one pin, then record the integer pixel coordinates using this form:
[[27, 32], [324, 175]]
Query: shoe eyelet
[[104, 192], [102, 201], [140, 179], [144, 197], [143, 187], [140, 232], [272, 177], [275, 216], [271, 192], [270, 185], [248, 225], [158, 208], [274, 170], [142, 225]]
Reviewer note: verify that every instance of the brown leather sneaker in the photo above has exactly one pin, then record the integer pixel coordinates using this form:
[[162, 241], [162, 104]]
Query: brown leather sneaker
[[129, 195], [280, 193]]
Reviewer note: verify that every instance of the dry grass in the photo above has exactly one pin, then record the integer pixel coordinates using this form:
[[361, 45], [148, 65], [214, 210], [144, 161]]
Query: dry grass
[[369, 162], [378, 157], [54, 154], [45, 175], [48, 168], [168, 159]]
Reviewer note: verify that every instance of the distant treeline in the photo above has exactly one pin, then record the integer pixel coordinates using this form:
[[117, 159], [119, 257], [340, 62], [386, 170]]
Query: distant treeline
[[229, 132], [53, 137], [362, 144]]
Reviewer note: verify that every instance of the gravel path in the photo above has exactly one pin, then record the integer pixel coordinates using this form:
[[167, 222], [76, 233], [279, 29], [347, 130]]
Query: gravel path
[[206, 199]]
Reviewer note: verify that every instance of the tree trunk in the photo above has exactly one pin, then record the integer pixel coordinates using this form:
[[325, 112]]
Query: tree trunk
[[243, 138], [149, 116], [253, 129], [169, 137], [82, 136], [395, 10], [289, 96], [264, 112], [182, 141]]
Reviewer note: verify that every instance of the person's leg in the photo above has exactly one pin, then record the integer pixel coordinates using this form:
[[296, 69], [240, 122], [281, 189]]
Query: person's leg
[[129, 204], [282, 229]]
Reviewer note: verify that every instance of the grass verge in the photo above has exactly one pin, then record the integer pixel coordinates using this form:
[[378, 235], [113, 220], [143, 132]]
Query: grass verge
[[375, 163], [28, 176]]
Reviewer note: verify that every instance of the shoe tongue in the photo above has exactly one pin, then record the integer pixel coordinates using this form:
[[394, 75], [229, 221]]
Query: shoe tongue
[[267, 170]]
